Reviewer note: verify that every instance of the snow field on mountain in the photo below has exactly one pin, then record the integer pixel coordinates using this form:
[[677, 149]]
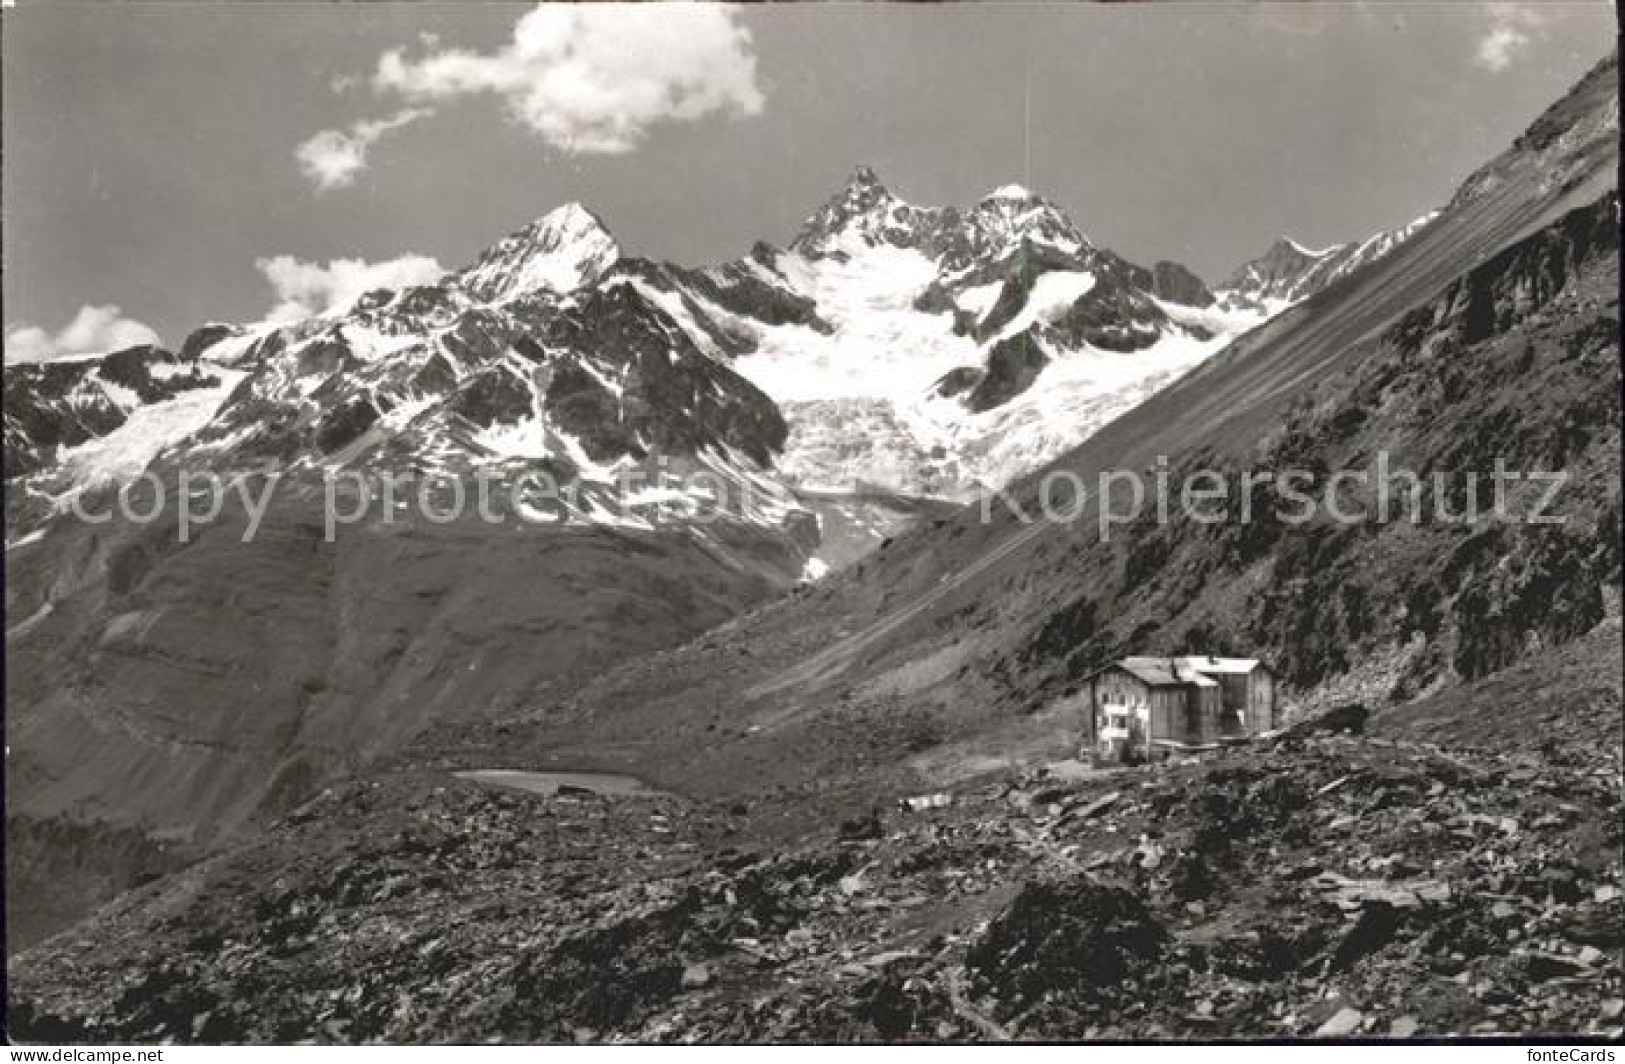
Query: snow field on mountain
[[881, 348], [124, 453]]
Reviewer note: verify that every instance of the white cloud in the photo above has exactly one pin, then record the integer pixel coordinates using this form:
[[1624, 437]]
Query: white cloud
[[306, 289], [93, 330], [596, 77], [1512, 28], [332, 158]]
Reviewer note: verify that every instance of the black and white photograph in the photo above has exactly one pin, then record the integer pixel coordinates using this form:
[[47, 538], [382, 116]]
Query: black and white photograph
[[936, 524]]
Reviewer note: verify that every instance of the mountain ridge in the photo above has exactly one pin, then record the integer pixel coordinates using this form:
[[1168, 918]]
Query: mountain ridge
[[1012, 263], [1288, 273]]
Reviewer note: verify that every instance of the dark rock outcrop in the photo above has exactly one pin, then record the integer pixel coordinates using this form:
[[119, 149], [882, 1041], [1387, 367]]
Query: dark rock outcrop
[[1074, 939], [1012, 366], [1176, 284]]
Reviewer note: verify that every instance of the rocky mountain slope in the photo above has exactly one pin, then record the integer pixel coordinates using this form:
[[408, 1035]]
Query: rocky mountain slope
[[523, 361], [1413, 881], [178, 687]]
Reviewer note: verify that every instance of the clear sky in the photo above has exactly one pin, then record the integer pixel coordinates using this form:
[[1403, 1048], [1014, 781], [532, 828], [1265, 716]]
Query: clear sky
[[167, 164]]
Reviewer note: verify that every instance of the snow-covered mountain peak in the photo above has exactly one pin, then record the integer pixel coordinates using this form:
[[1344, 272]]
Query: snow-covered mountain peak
[[929, 348], [864, 176], [1288, 272], [932, 348], [561, 251], [1010, 214], [1010, 192], [864, 214], [1286, 244], [569, 222]]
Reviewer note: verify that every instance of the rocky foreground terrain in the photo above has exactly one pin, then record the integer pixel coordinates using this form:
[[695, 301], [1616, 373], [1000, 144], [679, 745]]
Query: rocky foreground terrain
[[1451, 867]]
